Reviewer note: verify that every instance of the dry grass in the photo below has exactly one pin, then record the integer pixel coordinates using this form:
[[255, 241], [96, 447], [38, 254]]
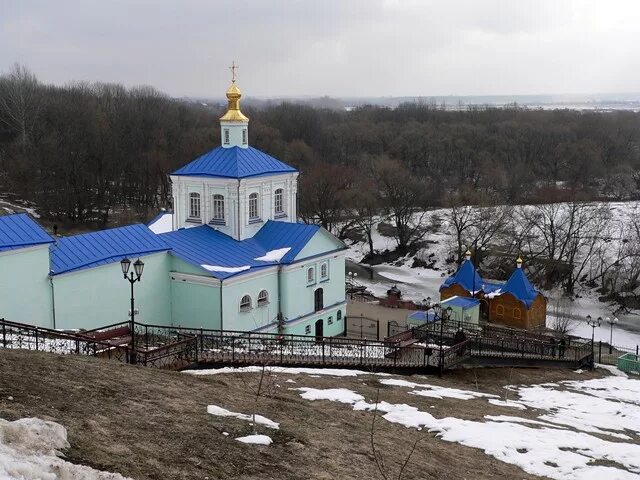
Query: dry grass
[[151, 424]]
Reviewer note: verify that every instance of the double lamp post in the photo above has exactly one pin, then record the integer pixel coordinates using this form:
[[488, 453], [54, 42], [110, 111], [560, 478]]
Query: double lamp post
[[133, 277]]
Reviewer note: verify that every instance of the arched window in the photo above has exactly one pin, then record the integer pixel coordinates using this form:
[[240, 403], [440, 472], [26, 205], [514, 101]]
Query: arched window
[[324, 271], [218, 207], [253, 206], [499, 310], [244, 136], [245, 303], [226, 136], [194, 205], [263, 298], [278, 200], [339, 315], [517, 313], [318, 300], [311, 275]]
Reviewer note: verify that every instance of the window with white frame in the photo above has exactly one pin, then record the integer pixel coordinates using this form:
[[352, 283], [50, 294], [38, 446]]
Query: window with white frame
[[278, 200], [253, 206], [194, 205], [263, 297], [245, 303], [324, 271], [244, 136], [330, 321], [226, 136], [218, 208], [311, 275]]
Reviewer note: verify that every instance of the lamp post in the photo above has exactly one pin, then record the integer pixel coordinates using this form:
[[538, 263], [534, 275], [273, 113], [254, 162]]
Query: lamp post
[[132, 277], [611, 322], [593, 323]]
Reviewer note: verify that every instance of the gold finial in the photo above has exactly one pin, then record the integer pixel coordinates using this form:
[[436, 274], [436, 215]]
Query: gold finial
[[467, 254], [233, 96], [233, 69], [519, 261]]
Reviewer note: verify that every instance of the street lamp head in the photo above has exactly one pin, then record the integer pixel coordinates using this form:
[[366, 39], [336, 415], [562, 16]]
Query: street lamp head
[[589, 319], [138, 267], [599, 321], [428, 300], [125, 263], [615, 320]]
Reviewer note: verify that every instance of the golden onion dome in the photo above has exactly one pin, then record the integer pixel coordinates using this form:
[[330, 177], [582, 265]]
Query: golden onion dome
[[233, 110]]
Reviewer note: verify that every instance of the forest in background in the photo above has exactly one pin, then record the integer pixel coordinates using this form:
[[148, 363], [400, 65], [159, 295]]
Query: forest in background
[[91, 155]]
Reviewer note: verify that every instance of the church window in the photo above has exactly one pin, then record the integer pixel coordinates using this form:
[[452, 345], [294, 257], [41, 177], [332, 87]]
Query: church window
[[245, 303], [499, 310], [324, 271], [263, 298], [244, 136], [194, 205], [339, 315], [517, 313], [226, 136], [330, 321], [278, 201], [318, 300], [311, 275], [218, 207], [307, 330], [253, 206]]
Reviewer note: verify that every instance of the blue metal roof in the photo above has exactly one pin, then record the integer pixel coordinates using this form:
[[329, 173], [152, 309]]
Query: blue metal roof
[[466, 276], [520, 287], [206, 246], [105, 246], [462, 302], [19, 231], [423, 316], [234, 162]]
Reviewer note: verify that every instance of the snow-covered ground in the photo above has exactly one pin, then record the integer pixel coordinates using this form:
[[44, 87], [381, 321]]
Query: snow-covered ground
[[561, 444], [30, 449], [419, 283], [581, 428]]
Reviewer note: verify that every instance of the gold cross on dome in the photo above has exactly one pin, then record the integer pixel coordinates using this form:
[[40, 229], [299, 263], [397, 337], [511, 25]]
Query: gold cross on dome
[[233, 69]]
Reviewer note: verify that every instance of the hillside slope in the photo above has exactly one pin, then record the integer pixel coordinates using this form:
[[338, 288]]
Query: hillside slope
[[150, 424]]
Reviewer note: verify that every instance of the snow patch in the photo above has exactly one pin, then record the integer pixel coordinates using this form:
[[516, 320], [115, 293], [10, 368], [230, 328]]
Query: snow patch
[[259, 419], [341, 395], [334, 372], [435, 391], [217, 268], [274, 255], [30, 449], [256, 439], [507, 403], [162, 224]]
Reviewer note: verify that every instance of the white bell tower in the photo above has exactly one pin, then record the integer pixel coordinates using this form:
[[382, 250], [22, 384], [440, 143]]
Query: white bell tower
[[234, 125]]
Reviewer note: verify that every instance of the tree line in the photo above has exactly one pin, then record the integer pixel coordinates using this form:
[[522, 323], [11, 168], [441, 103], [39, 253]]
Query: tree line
[[89, 152]]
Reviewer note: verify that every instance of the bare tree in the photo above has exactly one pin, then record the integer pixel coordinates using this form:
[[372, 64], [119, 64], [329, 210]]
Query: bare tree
[[20, 102], [563, 321]]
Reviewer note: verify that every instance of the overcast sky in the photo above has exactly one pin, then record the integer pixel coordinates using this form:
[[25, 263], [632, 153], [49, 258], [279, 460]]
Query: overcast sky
[[325, 47]]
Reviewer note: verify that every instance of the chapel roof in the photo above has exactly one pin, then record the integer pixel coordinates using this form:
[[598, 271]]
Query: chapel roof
[[234, 162]]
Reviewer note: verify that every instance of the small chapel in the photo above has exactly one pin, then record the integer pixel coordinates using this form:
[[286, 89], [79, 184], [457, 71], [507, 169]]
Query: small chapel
[[515, 303], [230, 255]]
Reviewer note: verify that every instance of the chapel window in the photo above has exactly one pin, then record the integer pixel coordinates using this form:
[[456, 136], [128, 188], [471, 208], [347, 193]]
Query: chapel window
[[194, 205], [244, 136], [253, 206], [278, 200], [218, 207], [226, 136]]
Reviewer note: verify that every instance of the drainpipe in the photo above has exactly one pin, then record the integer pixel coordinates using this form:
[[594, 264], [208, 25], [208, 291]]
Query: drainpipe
[[280, 317], [238, 205], [53, 301], [221, 311]]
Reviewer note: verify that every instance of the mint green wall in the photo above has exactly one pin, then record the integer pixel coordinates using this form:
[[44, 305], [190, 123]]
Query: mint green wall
[[178, 265], [233, 291], [25, 291], [459, 314], [195, 305], [298, 296], [319, 244], [337, 327], [99, 296]]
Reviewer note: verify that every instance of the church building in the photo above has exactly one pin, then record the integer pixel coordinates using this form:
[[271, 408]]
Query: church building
[[515, 303], [230, 256]]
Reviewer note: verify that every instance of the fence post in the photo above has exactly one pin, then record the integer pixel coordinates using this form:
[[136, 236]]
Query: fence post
[[323, 350], [37, 338], [600, 351], [388, 329], [201, 340], [637, 350], [77, 347], [146, 339], [4, 334], [233, 348], [378, 330]]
